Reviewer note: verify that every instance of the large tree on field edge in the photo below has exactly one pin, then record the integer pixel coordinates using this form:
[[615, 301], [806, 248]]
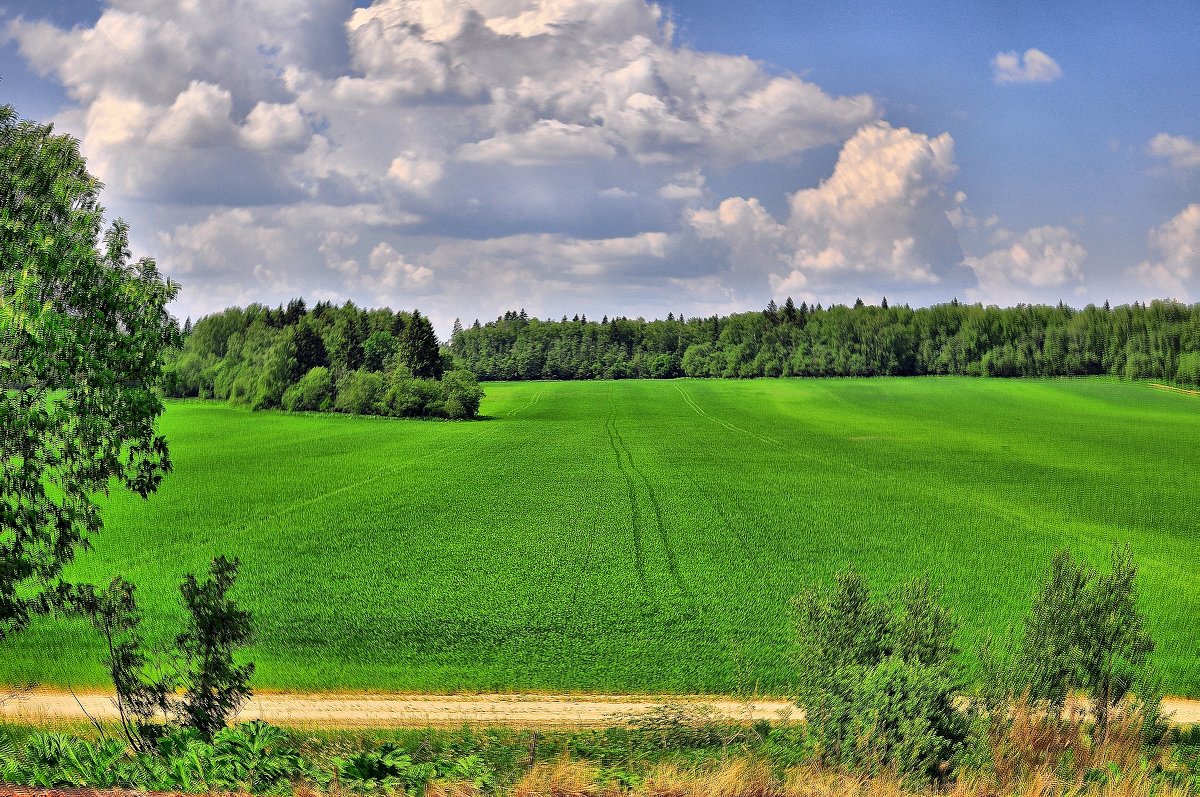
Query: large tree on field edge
[[82, 336]]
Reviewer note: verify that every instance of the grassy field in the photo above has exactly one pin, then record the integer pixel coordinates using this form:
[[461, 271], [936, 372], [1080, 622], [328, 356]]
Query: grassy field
[[644, 536]]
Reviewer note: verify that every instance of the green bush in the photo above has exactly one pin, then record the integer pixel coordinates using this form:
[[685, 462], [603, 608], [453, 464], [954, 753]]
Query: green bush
[[463, 395], [314, 391], [877, 679], [1188, 371], [359, 392], [409, 397]]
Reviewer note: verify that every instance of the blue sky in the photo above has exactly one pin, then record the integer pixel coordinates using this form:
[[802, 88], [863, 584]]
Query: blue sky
[[614, 156]]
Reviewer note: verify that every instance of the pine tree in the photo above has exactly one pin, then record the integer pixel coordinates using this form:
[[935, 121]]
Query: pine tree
[[419, 348], [772, 312]]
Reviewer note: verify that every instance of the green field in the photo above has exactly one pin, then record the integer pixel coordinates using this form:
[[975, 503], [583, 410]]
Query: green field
[[644, 536]]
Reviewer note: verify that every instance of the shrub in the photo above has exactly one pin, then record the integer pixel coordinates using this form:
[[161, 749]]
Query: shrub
[[1085, 632], [409, 397], [314, 391], [463, 394], [877, 681], [216, 687], [359, 392]]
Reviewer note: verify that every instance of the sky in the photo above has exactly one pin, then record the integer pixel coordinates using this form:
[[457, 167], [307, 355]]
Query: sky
[[620, 157]]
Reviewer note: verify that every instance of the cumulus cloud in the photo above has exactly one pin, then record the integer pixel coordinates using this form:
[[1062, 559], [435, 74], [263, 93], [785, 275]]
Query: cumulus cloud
[[1034, 66], [1181, 152], [1176, 271], [1042, 264], [478, 155], [879, 222], [391, 273], [315, 146]]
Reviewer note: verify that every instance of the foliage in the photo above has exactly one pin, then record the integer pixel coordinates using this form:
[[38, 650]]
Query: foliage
[[1160, 340], [364, 362], [878, 682], [1085, 633], [202, 664], [385, 768], [314, 391], [767, 759], [358, 392], [141, 698], [82, 338], [254, 757], [214, 686]]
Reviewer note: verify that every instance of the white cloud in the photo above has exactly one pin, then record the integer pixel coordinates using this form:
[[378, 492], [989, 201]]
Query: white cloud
[[1176, 272], [546, 153], [391, 273], [415, 174], [1034, 66], [1041, 264], [1181, 152], [199, 118], [686, 186], [546, 142], [272, 125], [879, 221]]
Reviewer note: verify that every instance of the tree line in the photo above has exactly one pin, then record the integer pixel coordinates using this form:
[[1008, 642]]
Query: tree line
[[1159, 340], [330, 358]]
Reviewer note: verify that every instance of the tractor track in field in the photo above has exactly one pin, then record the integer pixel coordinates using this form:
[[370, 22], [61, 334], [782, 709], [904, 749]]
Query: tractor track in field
[[531, 402], [731, 427], [668, 549], [49, 707], [639, 549]]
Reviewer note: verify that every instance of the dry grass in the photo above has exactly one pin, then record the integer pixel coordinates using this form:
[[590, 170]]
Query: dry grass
[[564, 778], [1032, 743], [744, 777]]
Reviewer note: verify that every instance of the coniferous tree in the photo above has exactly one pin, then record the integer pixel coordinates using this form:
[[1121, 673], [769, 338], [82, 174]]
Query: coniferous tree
[[419, 348]]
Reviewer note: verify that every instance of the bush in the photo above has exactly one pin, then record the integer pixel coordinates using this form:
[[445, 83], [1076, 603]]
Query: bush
[[314, 391], [1188, 371], [215, 687], [463, 395], [877, 681], [1086, 633], [359, 392], [409, 397]]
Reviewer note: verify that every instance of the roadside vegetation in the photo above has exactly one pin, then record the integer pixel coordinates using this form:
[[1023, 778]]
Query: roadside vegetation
[[887, 705]]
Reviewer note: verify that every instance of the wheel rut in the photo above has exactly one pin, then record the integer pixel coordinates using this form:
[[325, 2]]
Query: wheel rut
[[639, 549], [652, 497]]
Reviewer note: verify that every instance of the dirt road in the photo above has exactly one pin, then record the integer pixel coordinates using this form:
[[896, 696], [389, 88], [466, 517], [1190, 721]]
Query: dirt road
[[402, 711]]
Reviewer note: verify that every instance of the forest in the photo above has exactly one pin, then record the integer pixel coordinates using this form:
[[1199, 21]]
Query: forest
[[329, 358], [1159, 340]]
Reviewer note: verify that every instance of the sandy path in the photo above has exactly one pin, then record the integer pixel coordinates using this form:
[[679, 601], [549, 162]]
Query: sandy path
[[334, 710], [400, 711]]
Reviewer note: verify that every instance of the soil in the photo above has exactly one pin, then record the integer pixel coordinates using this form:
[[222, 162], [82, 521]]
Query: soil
[[373, 710]]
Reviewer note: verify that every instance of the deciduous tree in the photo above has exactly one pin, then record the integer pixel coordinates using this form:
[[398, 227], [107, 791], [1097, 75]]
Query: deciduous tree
[[83, 331]]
